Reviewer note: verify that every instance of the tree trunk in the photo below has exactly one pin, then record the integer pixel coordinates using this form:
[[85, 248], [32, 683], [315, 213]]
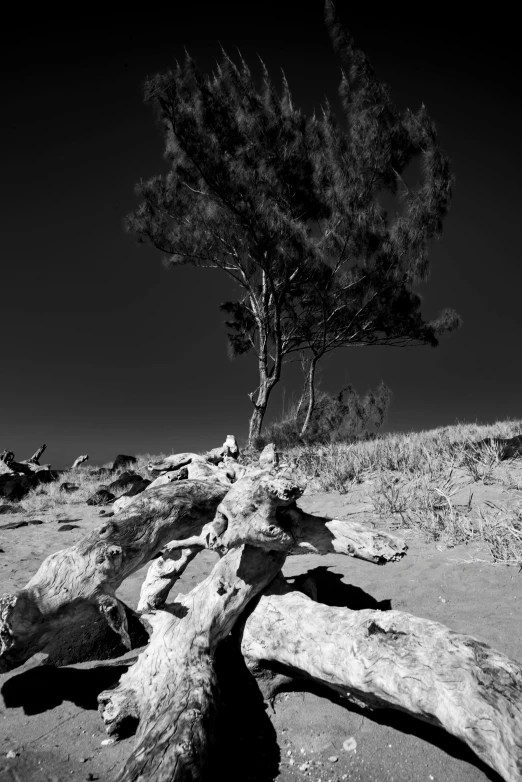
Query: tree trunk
[[260, 405], [392, 659], [311, 394]]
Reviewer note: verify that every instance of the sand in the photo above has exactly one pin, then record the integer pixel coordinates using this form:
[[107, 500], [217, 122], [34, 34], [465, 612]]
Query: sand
[[50, 729]]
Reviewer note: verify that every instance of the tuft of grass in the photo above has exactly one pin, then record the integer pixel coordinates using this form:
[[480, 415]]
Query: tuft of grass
[[481, 461], [501, 530]]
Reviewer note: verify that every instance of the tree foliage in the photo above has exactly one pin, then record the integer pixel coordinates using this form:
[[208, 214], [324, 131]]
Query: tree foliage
[[291, 208]]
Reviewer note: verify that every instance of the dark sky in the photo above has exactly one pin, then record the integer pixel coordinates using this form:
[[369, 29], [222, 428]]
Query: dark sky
[[104, 351]]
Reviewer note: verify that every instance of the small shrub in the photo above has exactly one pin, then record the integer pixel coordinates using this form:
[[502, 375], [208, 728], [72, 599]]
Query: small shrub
[[482, 460], [344, 418]]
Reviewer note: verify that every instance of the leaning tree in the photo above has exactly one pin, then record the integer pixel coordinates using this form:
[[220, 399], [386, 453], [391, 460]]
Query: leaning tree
[[249, 517], [282, 203]]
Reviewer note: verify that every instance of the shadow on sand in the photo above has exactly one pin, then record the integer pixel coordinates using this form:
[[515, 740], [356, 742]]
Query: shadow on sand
[[45, 687], [332, 591]]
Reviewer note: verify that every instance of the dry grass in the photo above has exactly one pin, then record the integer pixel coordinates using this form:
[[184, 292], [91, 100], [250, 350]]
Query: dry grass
[[48, 496], [501, 529], [410, 479]]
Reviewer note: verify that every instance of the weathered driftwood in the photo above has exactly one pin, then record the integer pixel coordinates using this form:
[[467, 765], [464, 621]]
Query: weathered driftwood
[[393, 659], [314, 534], [269, 456], [60, 597], [35, 458], [229, 451], [72, 585], [378, 658], [8, 465], [79, 460], [171, 564], [308, 534], [174, 462], [230, 447], [172, 690], [206, 471], [168, 477]]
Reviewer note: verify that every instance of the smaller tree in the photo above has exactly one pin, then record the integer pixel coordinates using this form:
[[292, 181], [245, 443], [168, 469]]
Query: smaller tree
[[358, 289], [360, 307]]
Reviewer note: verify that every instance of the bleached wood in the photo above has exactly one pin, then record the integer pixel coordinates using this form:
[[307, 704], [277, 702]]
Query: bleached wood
[[393, 659], [319, 535], [175, 461], [79, 460], [204, 471], [307, 533], [380, 658], [162, 575], [171, 564], [35, 458], [161, 480], [60, 596], [172, 688]]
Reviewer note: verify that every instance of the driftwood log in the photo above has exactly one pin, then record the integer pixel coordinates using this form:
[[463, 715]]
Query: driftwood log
[[390, 659], [79, 460], [377, 658], [35, 458], [74, 585]]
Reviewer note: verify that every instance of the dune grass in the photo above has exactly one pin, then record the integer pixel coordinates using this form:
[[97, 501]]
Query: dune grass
[[407, 480], [410, 480]]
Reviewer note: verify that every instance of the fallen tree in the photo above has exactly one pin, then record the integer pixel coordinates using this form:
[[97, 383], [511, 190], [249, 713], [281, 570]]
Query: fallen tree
[[372, 657], [72, 586], [390, 659], [80, 460], [18, 478]]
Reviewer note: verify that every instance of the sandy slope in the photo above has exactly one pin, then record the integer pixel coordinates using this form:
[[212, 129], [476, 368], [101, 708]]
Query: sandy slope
[[48, 716]]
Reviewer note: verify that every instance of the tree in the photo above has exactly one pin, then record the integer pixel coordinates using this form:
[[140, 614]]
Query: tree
[[251, 177], [359, 307]]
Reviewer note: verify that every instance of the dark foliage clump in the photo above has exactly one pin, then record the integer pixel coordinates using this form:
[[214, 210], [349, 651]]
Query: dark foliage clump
[[341, 418]]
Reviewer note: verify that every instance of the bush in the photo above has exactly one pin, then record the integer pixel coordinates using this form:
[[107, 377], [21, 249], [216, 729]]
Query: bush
[[343, 418]]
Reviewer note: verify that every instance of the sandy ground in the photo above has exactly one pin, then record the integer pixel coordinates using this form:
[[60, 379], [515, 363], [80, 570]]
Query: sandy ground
[[50, 729]]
